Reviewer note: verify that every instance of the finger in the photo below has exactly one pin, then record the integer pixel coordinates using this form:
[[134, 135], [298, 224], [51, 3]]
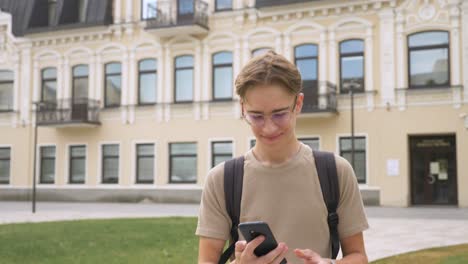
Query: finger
[[239, 248], [252, 245], [240, 245], [306, 254], [272, 255], [280, 258]]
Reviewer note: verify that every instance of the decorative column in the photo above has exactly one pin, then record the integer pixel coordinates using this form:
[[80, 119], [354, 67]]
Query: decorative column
[[369, 71], [132, 86], [160, 91], [287, 47], [26, 84], [60, 77], [128, 11], [92, 77], [197, 79], [99, 80], [124, 88], [465, 50], [332, 55], [206, 87], [322, 69], [387, 54], [67, 79], [279, 43], [168, 89], [246, 50], [117, 12], [16, 89]]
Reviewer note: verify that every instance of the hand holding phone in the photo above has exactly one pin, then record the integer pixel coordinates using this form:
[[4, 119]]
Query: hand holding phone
[[251, 230]]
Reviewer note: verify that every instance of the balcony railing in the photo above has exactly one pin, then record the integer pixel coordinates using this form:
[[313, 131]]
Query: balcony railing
[[177, 13], [65, 112], [319, 97]]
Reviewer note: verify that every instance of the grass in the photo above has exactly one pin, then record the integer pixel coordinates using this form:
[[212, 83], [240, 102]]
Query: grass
[[152, 240], [157, 240], [444, 255]]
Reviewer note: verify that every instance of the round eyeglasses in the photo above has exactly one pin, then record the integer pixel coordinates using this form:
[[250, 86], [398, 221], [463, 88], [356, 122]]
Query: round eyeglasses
[[279, 118]]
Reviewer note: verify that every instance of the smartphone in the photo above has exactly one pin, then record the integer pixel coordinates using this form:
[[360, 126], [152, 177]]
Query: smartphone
[[251, 230]]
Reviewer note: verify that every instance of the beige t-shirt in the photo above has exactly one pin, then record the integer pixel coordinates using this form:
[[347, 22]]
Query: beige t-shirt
[[289, 198]]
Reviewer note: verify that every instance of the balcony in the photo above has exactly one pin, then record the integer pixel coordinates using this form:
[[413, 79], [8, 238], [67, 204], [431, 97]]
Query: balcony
[[78, 112], [170, 18], [319, 99]]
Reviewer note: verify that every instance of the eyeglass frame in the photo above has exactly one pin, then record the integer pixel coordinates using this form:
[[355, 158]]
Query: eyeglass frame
[[270, 114]]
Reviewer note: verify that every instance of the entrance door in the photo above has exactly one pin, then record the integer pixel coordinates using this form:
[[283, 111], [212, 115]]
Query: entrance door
[[433, 170], [185, 11]]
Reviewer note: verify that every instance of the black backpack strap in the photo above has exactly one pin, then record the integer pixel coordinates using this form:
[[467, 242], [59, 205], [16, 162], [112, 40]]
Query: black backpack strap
[[233, 178], [326, 170]]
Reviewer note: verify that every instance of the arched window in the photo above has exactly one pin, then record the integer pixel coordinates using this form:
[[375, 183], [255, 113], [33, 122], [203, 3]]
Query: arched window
[[306, 60], [6, 91], [80, 82], [352, 65], [113, 84], [184, 78], [49, 85], [147, 81], [222, 75], [260, 51], [428, 59], [148, 9]]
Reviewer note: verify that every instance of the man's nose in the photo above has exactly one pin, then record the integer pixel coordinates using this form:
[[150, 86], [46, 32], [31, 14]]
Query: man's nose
[[269, 126]]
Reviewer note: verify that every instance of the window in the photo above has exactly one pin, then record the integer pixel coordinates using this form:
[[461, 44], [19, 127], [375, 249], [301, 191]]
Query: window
[[183, 163], [6, 91], [306, 60], [221, 5], [49, 85], [113, 84], [220, 152], [145, 163], [359, 155], [184, 78], [77, 164], [147, 81], [313, 143], [148, 9], [80, 82], [47, 164], [352, 65], [110, 163], [82, 7], [5, 157], [429, 60], [222, 76], [260, 51], [52, 9], [252, 143]]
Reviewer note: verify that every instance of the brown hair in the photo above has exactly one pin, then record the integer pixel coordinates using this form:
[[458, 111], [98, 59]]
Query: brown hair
[[269, 68]]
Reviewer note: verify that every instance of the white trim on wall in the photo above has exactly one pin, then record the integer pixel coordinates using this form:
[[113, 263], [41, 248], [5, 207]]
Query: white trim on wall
[[67, 165], [366, 136], [99, 165], [219, 139], [133, 166], [38, 164], [318, 137]]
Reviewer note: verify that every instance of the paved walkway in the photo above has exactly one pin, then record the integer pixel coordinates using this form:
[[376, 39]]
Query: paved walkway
[[392, 231]]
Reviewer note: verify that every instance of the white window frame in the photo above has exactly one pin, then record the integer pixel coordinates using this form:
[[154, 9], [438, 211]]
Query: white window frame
[[366, 136], [11, 170], [38, 164], [134, 163], [215, 140], [99, 166], [67, 166]]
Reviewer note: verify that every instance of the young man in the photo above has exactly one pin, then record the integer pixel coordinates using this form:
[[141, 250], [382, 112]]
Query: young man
[[280, 186]]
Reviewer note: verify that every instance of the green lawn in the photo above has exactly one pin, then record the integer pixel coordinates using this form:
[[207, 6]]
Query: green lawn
[[155, 240], [152, 240], [445, 255]]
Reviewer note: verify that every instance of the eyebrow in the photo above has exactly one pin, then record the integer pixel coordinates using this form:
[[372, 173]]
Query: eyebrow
[[274, 111]]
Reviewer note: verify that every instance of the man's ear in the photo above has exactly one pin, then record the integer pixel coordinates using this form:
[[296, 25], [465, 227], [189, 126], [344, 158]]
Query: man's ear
[[299, 102]]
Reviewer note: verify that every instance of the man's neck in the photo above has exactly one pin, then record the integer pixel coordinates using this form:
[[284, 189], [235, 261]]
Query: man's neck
[[278, 154]]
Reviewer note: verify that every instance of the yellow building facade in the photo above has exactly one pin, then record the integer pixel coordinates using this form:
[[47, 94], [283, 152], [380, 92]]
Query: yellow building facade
[[134, 100]]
